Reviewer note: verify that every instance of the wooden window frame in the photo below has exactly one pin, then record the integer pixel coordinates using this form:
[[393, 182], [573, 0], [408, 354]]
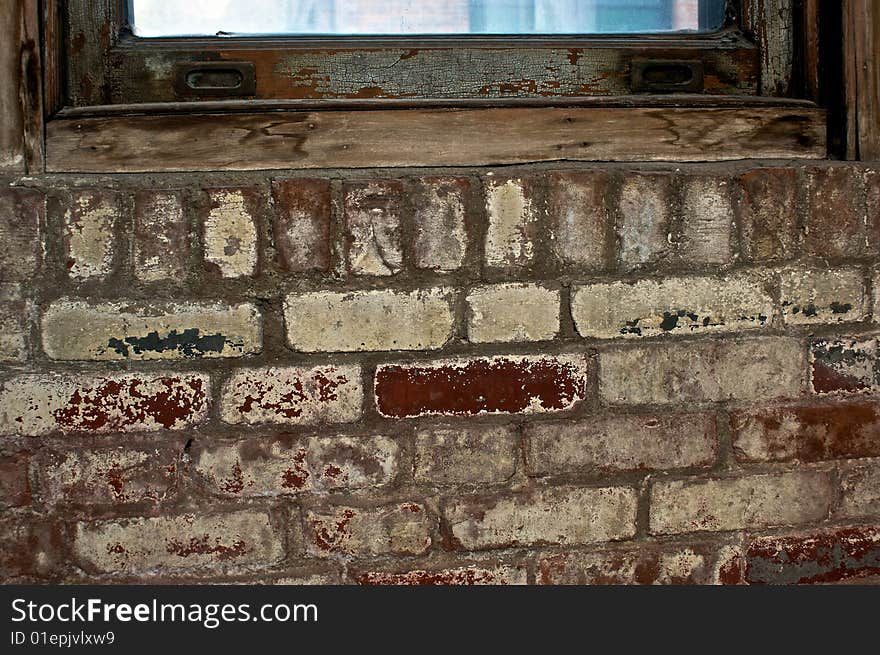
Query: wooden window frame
[[106, 89]]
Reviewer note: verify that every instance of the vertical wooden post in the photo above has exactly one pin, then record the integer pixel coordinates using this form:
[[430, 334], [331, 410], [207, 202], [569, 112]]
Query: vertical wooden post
[[861, 39], [21, 108]]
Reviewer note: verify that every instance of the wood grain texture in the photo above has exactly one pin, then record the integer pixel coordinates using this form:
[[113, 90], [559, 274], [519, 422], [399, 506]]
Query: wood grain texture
[[21, 110], [430, 137], [772, 24], [861, 34], [11, 115], [526, 70]]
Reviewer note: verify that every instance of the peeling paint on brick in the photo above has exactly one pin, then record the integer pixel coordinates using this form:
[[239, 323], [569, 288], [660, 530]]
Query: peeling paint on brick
[[292, 395], [74, 329], [42, 404]]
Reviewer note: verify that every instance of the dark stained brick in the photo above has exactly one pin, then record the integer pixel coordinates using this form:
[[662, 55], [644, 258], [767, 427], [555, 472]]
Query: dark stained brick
[[768, 214], [302, 224], [835, 218], [821, 557], [493, 385], [807, 433], [844, 365]]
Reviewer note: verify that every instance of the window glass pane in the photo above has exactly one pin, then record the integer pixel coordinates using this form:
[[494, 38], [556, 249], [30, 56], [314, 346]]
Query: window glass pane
[[153, 18]]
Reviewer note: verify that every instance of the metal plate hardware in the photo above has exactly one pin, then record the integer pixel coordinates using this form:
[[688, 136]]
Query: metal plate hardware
[[667, 76], [215, 79]]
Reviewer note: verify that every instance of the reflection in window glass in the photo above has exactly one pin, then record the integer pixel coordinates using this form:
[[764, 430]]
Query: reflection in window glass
[[153, 18]]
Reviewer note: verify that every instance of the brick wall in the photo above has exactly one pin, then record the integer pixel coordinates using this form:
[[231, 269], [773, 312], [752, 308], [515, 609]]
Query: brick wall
[[526, 375]]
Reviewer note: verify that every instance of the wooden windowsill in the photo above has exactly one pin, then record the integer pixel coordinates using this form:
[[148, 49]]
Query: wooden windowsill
[[245, 135]]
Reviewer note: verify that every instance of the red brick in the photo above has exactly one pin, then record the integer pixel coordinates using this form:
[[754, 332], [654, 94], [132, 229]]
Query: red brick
[[372, 214], [493, 385], [768, 214], [578, 217], [30, 546], [872, 188], [844, 365], [807, 433], [475, 574], [835, 224], [828, 556], [15, 486], [399, 529], [123, 475], [647, 565], [161, 236], [42, 404], [302, 224], [21, 213]]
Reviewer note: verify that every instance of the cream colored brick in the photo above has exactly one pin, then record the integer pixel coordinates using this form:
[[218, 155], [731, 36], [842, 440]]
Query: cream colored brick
[[89, 225], [356, 321], [751, 501], [186, 541], [671, 306], [261, 467], [753, 369], [230, 233], [823, 296], [512, 219], [562, 515], [79, 330], [512, 312]]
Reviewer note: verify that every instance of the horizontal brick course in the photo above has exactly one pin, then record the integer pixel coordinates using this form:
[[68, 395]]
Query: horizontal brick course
[[495, 385]]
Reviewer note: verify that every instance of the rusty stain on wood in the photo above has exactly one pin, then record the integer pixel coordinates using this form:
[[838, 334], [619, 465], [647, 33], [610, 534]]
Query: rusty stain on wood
[[431, 137]]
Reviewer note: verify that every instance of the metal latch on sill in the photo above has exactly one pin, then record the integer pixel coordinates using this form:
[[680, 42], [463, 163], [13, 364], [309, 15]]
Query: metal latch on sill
[[215, 78], [667, 76]]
